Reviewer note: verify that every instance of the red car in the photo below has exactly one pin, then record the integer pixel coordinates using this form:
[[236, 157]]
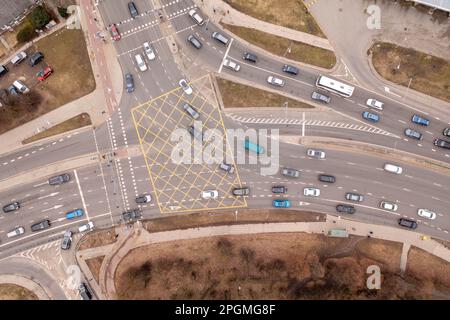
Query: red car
[[115, 33], [44, 73]]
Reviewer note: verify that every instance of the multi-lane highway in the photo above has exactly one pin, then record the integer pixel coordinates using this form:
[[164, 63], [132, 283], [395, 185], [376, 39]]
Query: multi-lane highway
[[105, 190]]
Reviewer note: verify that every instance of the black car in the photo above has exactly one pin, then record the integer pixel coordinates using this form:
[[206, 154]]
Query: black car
[[62, 178], [345, 208], [133, 10], [245, 191], [446, 132], [129, 82], [441, 143], [250, 57], [11, 207], [84, 291], [3, 70], [146, 198], [131, 215], [279, 189], [290, 69], [407, 223], [327, 178], [194, 41], [40, 225], [35, 58], [413, 134]]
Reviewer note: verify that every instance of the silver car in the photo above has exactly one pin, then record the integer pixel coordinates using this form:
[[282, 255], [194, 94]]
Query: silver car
[[354, 197], [320, 97], [319, 154], [275, 81], [191, 111], [288, 172], [231, 65]]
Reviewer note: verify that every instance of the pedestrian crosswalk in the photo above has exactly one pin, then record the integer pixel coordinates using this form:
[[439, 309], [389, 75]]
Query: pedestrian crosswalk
[[317, 123]]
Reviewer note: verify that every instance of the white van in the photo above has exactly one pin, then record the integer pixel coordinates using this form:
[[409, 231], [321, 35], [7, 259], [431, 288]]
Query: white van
[[196, 17], [220, 37], [18, 58], [19, 85], [16, 232], [140, 62], [393, 168]]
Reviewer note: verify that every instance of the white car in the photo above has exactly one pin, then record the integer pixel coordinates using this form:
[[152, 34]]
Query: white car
[[319, 154], [231, 65], [86, 227], [425, 213], [392, 168], [19, 85], [140, 62], [275, 81], [149, 51], [375, 104], [388, 206], [210, 194], [185, 86], [311, 192], [197, 18]]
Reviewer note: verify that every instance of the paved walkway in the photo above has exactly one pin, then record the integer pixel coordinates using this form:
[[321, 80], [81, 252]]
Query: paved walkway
[[136, 236], [219, 11]]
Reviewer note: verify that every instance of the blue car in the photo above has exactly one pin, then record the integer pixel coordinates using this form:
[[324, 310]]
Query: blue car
[[371, 116], [281, 203], [419, 120], [74, 214]]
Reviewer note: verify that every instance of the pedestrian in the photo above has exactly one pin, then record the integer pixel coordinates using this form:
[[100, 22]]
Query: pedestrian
[[214, 10]]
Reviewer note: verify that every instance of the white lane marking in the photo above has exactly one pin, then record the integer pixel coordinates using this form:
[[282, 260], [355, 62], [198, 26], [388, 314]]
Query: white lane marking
[[81, 194], [225, 55]]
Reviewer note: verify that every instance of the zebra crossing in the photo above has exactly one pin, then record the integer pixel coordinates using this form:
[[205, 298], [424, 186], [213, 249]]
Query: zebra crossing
[[312, 123]]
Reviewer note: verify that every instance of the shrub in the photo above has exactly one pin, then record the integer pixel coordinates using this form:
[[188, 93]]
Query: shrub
[[39, 17], [26, 33], [63, 12]]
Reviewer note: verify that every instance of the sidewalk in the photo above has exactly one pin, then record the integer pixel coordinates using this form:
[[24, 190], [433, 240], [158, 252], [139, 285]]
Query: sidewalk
[[219, 11]]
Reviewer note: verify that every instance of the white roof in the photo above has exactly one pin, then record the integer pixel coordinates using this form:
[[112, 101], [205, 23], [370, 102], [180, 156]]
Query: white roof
[[438, 4]]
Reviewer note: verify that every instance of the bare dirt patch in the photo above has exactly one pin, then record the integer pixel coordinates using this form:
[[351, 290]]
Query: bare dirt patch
[[236, 95], [404, 66], [9, 291], [94, 265], [215, 218], [294, 50], [287, 13], [97, 239], [267, 266], [76, 122]]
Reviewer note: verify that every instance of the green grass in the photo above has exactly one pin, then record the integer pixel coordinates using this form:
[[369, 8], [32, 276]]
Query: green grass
[[79, 121], [301, 52], [428, 74], [236, 95], [287, 13]]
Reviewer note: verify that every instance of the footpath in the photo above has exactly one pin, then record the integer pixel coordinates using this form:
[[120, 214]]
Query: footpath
[[133, 236]]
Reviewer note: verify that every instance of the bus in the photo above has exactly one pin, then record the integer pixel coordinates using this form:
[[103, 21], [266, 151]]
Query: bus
[[253, 147], [334, 86]]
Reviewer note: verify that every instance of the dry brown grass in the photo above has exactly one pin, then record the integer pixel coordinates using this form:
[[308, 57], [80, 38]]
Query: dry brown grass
[[300, 51], [421, 264], [76, 122], [287, 13], [429, 74], [267, 266], [94, 265], [10, 291], [65, 51], [214, 218], [98, 238], [236, 95]]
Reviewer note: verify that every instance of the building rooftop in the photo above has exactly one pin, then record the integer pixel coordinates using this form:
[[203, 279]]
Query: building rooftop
[[438, 4], [10, 9]]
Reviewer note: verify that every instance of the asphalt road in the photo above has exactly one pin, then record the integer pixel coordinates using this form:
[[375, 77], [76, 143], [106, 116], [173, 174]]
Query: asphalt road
[[105, 191]]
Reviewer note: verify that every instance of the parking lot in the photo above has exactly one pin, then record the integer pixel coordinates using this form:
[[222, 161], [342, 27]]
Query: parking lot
[[179, 187]]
